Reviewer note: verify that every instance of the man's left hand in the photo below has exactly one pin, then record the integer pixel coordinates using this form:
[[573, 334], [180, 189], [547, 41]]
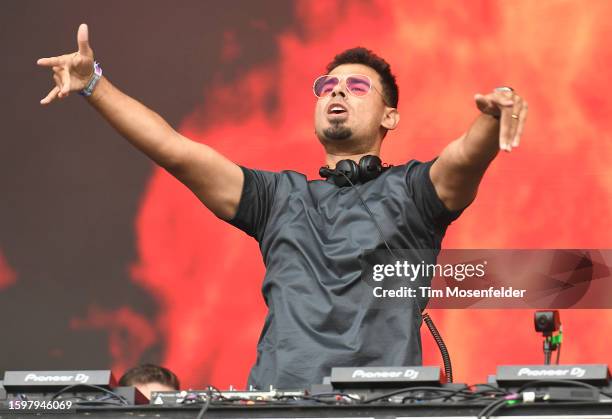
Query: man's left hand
[[511, 111]]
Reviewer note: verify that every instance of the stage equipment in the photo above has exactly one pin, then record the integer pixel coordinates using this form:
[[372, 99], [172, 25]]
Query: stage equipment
[[89, 387], [549, 322]]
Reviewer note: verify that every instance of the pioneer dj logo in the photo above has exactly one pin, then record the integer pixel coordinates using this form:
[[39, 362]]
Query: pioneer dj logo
[[34, 378], [574, 372], [407, 373]]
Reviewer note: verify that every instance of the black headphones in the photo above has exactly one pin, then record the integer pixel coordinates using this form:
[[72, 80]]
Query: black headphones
[[369, 167]]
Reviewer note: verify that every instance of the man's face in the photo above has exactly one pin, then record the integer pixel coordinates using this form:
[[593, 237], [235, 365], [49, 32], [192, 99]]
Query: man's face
[[359, 124]]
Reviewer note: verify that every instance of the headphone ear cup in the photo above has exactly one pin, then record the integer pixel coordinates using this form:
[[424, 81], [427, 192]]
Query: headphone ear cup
[[350, 169], [370, 167]]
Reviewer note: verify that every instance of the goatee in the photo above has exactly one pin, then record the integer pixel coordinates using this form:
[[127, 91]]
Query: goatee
[[337, 132]]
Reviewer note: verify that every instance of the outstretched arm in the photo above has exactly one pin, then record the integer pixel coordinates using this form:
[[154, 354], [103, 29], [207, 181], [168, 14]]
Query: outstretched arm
[[196, 165], [458, 171]]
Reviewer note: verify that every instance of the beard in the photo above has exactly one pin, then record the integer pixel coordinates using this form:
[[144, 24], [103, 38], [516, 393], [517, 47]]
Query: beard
[[337, 131]]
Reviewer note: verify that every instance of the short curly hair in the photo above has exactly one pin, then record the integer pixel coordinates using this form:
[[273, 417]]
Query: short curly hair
[[360, 55]]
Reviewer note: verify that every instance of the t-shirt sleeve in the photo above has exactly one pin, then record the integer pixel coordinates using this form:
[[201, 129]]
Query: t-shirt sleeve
[[256, 202], [425, 197]]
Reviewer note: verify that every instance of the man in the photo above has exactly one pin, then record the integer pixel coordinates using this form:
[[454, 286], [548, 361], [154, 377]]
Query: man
[[148, 378], [313, 233]]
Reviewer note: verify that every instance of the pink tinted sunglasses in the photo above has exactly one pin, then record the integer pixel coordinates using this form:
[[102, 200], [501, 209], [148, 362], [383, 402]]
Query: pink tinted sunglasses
[[357, 85]]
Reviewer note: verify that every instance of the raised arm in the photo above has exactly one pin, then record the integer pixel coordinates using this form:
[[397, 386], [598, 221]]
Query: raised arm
[[196, 165], [458, 171]]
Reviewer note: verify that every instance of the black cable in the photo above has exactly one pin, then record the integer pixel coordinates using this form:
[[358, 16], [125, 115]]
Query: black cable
[[495, 406], [558, 382], [70, 387], [411, 389], [566, 382], [318, 395], [448, 367], [483, 398], [558, 352], [316, 400], [491, 408], [471, 396], [465, 394], [205, 406], [491, 387], [444, 397]]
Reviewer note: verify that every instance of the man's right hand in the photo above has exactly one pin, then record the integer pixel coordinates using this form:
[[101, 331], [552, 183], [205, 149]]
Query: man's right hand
[[215, 180], [71, 72]]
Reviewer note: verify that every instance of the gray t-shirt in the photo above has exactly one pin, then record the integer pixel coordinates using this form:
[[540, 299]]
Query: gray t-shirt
[[312, 235]]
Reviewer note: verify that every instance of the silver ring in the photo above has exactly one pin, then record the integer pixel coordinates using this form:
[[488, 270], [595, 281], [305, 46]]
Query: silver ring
[[504, 89]]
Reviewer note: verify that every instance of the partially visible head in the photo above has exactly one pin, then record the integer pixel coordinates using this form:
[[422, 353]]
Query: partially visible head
[[150, 377], [367, 118]]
